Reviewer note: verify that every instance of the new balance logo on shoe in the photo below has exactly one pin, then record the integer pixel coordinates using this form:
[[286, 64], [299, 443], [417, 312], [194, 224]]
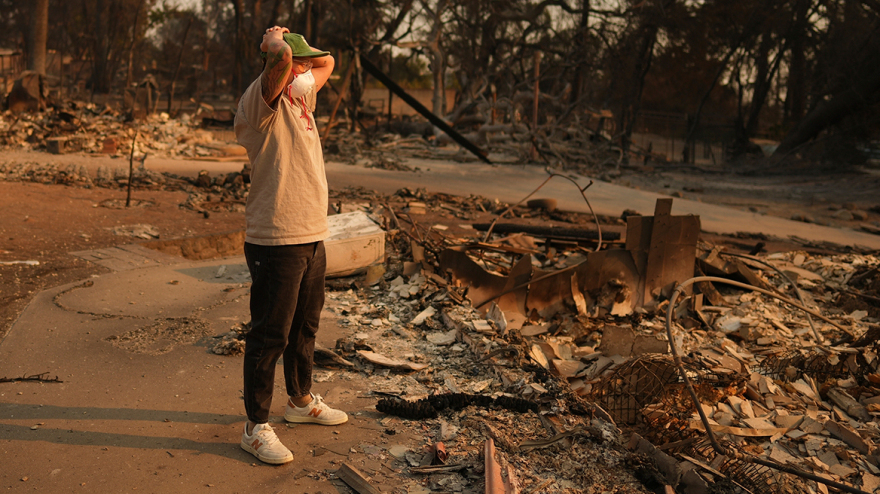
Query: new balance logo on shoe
[[316, 412], [264, 444]]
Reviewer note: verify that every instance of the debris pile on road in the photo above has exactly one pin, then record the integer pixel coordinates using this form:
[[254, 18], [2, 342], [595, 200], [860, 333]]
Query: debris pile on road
[[81, 127], [232, 342], [224, 192], [85, 127]]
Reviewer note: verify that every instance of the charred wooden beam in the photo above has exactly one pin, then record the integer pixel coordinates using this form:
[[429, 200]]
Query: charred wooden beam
[[552, 232], [356, 480], [434, 119]]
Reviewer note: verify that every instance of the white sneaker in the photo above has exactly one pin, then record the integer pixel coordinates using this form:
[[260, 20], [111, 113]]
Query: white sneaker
[[316, 412], [264, 444]]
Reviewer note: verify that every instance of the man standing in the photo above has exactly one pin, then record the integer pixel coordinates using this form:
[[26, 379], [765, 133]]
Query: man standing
[[286, 218]]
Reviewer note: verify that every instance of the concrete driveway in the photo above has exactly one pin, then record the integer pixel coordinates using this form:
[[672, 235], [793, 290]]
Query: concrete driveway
[[145, 406]]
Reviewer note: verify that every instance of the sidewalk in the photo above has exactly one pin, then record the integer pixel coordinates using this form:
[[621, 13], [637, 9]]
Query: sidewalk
[[145, 405]]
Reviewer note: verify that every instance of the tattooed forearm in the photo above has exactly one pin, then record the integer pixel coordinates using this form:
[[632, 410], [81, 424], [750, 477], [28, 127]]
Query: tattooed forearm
[[277, 58], [276, 73], [282, 74]]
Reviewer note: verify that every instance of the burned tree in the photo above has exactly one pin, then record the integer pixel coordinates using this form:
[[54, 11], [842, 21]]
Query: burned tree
[[38, 35]]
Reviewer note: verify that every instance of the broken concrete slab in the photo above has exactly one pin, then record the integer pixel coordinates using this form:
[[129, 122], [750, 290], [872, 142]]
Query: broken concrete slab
[[355, 242], [441, 338], [849, 436]]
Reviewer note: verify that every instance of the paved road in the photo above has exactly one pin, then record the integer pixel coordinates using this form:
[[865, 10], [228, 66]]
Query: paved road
[[509, 183], [512, 183]]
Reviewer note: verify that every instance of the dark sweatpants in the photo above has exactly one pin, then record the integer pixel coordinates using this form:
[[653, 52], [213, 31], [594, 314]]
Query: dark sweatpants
[[287, 296]]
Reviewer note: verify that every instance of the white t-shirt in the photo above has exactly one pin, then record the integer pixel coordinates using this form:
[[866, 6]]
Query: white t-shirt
[[287, 202]]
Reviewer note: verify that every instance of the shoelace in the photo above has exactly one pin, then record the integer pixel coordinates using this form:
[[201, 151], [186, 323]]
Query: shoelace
[[319, 402], [267, 434]]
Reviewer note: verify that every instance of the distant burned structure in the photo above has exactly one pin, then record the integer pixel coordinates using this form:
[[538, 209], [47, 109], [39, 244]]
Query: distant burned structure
[[11, 64]]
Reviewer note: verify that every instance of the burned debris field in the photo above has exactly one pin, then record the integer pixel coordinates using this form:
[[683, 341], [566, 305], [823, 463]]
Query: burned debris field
[[511, 328], [573, 247]]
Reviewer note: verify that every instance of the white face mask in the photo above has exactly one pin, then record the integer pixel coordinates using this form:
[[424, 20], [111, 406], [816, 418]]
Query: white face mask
[[301, 84]]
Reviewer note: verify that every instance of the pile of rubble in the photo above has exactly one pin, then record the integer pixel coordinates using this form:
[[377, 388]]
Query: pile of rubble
[[485, 343], [85, 127], [224, 192], [78, 126], [452, 359]]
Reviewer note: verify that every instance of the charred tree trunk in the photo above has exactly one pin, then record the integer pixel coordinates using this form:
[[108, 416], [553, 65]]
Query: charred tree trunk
[[129, 70], [438, 68], [862, 93], [437, 60], [307, 14], [763, 82], [356, 88], [273, 16], [100, 49], [317, 16], [580, 70], [291, 15], [632, 103], [39, 32], [762, 67], [177, 68], [257, 17], [243, 47], [796, 93], [238, 13]]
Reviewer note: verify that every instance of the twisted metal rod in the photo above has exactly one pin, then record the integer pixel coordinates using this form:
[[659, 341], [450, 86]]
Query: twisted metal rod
[[670, 310], [524, 199]]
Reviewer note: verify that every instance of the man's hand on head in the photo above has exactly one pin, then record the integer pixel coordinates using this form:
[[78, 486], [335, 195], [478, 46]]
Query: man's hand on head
[[274, 32]]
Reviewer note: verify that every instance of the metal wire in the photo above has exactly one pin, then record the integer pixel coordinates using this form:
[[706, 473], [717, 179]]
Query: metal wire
[[651, 379], [633, 385], [716, 446], [756, 479], [524, 199], [816, 364]]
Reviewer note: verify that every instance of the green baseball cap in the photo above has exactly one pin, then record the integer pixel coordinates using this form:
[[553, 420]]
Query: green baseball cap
[[299, 47]]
